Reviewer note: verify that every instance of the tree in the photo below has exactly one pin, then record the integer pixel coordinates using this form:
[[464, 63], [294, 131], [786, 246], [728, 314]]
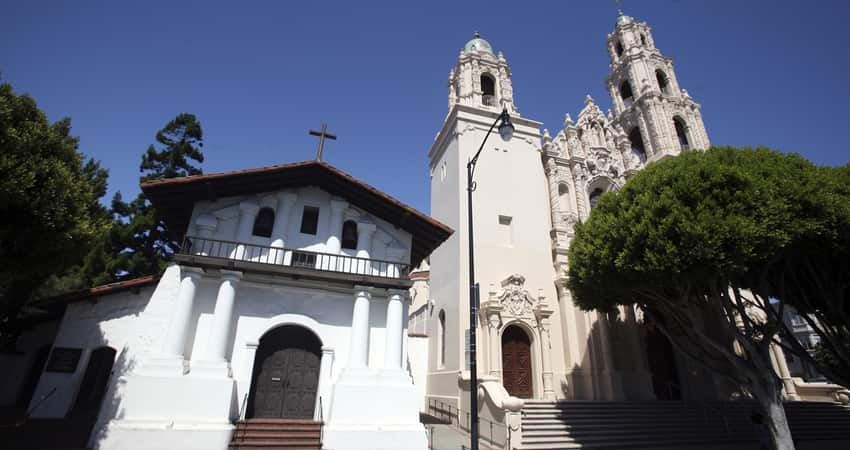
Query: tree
[[698, 243], [141, 241], [48, 201]]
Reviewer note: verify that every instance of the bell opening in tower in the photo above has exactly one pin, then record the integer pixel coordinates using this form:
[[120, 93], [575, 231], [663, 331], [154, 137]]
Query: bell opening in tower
[[662, 81], [488, 90], [636, 142], [626, 93], [680, 133]]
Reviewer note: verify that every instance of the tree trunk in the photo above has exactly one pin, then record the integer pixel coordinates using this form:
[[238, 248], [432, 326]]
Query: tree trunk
[[775, 420]]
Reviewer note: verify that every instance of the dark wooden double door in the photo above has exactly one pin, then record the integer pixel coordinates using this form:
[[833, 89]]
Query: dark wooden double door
[[516, 362], [286, 375]]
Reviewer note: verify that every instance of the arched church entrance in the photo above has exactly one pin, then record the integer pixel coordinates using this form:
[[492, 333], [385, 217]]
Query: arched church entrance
[[662, 363], [516, 362], [286, 374]]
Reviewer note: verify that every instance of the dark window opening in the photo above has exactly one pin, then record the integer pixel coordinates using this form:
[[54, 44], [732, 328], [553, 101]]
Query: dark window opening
[[618, 47], [680, 133], [642, 40], [349, 235], [626, 92], [264, 223], [662, 81], [488, 90], [442, 337], [310, 220], [594, 196], [636, 141], [95, 381]]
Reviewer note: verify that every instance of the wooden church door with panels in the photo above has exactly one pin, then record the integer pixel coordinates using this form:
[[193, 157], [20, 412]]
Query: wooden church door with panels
[[516, 362], [286, 375]]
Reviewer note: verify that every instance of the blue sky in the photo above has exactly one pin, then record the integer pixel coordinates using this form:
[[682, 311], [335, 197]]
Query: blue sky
[[259, 75]]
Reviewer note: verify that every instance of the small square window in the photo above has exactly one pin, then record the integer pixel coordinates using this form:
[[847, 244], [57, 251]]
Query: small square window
[[505, 230], [310, 220]]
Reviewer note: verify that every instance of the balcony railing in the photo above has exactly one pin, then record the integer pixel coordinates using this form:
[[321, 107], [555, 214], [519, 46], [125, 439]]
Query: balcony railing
[[489, 100], [287, 257]]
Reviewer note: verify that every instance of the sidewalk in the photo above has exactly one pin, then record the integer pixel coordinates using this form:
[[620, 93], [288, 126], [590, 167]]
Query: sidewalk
[[446, 437]]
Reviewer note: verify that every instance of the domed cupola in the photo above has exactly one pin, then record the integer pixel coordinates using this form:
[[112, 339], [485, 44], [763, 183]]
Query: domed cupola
[[623, 19], [476, 44]]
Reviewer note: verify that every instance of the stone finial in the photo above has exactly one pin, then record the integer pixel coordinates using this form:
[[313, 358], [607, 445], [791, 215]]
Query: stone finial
[[588, 100], [546, 136], [610, 115], [568, 121], [501, 56], [685, 93]]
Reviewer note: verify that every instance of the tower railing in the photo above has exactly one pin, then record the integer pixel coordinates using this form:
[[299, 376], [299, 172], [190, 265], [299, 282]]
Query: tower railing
[[489, 100]]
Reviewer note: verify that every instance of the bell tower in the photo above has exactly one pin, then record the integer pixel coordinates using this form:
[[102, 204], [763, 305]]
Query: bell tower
[[659, 118], [481, 78], [511, 236]]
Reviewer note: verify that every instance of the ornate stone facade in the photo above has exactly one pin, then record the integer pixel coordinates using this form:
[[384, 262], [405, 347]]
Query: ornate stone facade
[[573, 354]]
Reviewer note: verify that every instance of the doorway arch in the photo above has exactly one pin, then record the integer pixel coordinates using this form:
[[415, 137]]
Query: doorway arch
[[285, 379], [516, 362], [662, 363]]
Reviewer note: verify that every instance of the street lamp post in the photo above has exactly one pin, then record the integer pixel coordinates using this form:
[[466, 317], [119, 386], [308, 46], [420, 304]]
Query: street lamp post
[[506, 130]]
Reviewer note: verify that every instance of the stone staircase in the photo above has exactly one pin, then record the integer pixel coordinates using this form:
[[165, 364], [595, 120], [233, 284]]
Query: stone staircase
[[277, 434], [659, 424]]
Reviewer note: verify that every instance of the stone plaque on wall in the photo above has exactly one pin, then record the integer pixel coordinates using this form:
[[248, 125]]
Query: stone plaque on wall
[[63, 359]]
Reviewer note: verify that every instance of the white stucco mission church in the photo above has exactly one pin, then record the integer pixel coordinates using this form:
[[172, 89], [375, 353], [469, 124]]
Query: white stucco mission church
[[309, 309]]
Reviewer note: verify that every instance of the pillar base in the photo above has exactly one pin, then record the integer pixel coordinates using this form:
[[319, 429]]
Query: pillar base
[[164, 367], [147, 434], [210, 369], [375, 409]]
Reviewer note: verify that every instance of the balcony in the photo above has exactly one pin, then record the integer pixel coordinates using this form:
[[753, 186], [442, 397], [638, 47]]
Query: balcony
[[489, 100], [231, 255]]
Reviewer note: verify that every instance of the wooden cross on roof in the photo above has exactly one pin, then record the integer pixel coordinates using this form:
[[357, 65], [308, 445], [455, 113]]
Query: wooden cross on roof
[[322, 135]]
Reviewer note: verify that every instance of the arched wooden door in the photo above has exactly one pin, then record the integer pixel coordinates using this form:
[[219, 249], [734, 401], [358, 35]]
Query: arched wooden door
[[516, 362], [286, 375]]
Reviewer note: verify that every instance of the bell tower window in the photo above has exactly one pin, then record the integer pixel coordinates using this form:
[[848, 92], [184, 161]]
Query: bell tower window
[[488, 90], [264, 223], [680, 133], [636, 141], [662, 81], [626, 93], [618, 47]]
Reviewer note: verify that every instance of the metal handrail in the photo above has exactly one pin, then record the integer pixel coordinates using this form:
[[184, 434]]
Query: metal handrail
[[281, 256], [242, 408], [321, 423], [40, 401], [445, 411]]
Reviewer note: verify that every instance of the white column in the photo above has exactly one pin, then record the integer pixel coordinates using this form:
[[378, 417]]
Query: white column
[[365, 231], [206, 226], [546, 357], [174, 345], [285, 201], [781, 365], [247, 216], [495, 347], [324, 388], [223, 317], [359, 353], [334, 241], [395, 327]]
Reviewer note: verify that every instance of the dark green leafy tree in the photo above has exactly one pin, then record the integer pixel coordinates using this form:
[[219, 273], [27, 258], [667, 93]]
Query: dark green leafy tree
[[140, 239], [700, 243], [48, 203]]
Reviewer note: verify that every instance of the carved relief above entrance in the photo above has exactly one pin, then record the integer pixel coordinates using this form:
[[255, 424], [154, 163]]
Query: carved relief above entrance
[[514, 319]]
